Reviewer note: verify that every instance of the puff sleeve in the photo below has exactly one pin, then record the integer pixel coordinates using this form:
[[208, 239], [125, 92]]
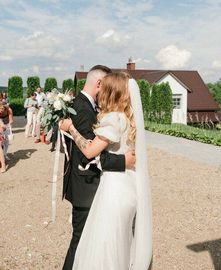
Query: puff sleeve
[[111, 126]]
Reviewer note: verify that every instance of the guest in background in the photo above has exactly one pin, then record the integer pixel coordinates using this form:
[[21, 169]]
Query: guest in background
[[2, 138], [4, 98], [6, 115], [41, 99], [31, 105]]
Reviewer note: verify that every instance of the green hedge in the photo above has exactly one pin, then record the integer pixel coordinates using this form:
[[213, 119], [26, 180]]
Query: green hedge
[[50, 84], [17, 106], [67, 84], [80, 86], [32, 83], [188, 132], [15, 88], [145, 97]]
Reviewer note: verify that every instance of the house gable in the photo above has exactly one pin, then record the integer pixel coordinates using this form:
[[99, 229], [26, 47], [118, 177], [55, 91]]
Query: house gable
[[179, 92]]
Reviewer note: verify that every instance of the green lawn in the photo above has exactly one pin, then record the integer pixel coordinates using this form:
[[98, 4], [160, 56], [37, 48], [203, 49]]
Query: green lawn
[[210, 136]]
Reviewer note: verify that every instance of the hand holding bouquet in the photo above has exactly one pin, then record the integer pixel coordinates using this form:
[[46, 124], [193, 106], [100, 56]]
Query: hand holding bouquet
[[59, 107]]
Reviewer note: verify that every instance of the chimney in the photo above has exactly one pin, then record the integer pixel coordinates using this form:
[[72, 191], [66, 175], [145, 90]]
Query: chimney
[[130, 64], [81, 67]]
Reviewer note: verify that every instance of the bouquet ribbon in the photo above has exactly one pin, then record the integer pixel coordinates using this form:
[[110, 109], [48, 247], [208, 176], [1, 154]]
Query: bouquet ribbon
[[60, 138]]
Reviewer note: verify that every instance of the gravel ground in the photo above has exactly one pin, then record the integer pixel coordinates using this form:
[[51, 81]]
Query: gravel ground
[[186, 197]]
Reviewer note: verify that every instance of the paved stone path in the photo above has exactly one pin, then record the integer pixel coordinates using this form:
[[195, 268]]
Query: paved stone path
[[196, 151]]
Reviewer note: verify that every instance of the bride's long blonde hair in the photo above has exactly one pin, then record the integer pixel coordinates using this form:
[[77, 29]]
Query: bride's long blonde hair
[[114, 97]]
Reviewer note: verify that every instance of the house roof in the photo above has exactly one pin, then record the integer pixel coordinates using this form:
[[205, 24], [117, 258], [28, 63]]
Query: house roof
[[198, 99], [79, 75]]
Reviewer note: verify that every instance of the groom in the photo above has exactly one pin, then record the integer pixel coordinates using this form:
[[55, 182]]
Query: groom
[[80, 186]]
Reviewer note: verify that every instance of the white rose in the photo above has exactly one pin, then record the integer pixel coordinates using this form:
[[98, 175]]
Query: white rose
[[67, 98], [60, 95], [57, 105]]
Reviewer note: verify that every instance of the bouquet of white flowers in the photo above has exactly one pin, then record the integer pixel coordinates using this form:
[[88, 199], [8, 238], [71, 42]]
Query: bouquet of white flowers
[[59, 107]]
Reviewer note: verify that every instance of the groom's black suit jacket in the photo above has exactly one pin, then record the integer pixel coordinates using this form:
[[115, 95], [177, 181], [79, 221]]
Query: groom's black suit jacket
[[80, 186]]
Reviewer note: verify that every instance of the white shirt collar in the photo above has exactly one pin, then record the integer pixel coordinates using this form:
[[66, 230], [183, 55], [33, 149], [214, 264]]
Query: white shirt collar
[[90, 99]]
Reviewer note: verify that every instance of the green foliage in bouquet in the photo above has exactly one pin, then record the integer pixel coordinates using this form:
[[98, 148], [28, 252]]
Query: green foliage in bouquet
[[15, 88], [59, 107]]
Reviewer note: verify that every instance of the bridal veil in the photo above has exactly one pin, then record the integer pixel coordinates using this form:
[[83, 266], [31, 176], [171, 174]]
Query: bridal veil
[[142, 245]]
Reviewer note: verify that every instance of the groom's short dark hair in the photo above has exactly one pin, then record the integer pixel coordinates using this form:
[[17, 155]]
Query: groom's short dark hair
[[105, 69]]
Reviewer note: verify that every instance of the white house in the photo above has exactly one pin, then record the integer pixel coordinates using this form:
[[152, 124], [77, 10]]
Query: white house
[[192, 100]]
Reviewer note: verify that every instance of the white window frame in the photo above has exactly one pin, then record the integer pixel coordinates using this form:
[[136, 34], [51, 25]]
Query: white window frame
[[177, 101]]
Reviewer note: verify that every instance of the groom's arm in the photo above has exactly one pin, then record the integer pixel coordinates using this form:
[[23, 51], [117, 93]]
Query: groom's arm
[[117, 163], [112, 162]]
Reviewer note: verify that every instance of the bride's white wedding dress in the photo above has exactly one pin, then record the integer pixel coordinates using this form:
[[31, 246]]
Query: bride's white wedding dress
[[105, 243]]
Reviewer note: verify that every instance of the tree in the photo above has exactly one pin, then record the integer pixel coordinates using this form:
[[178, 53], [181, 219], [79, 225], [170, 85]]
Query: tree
[[215, 90], [154, 103], [166, 103], [145, 97], [68, 84], [15, 88], [50, 84], [161, 104], [80, 85], [32, 83]]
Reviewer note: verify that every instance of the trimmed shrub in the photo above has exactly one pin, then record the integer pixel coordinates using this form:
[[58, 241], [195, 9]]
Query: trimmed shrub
[[154, 104], [67, 84], [15, 88], [17, 106], [145, 97], [50, 84], [215, 90], [161, 104], [32, 84], [166, 103], [80, 86]]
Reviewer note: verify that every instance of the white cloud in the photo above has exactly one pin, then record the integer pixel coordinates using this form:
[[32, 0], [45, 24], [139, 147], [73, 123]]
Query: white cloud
[[171, 57], [34, 36], [216, 64], [141, 60], [113, 37], [58, 38], [35, 45]]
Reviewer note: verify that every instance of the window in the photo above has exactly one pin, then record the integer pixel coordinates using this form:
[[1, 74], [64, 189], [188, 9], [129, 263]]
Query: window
[[176, 101]]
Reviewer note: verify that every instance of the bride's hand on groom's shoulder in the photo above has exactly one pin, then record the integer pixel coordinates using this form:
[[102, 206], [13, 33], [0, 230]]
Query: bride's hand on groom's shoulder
[[65, 124]]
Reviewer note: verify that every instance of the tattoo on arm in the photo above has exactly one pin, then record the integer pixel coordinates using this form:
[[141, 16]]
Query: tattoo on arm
[[80, 141]]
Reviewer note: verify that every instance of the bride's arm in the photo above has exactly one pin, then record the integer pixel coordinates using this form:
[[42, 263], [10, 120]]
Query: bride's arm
[[89, 148]]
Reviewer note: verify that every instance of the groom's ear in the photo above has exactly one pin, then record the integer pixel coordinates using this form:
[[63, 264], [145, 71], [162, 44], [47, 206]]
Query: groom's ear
[[99, 83]]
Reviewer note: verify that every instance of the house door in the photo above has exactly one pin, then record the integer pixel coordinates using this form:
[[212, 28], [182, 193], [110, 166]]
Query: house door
[[177, 109]]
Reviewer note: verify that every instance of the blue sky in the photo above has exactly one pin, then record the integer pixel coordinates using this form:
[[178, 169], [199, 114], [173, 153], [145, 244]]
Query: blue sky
[[54, 37]]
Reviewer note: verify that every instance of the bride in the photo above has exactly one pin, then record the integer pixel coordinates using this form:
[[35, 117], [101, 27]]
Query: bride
[[108, 241]]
